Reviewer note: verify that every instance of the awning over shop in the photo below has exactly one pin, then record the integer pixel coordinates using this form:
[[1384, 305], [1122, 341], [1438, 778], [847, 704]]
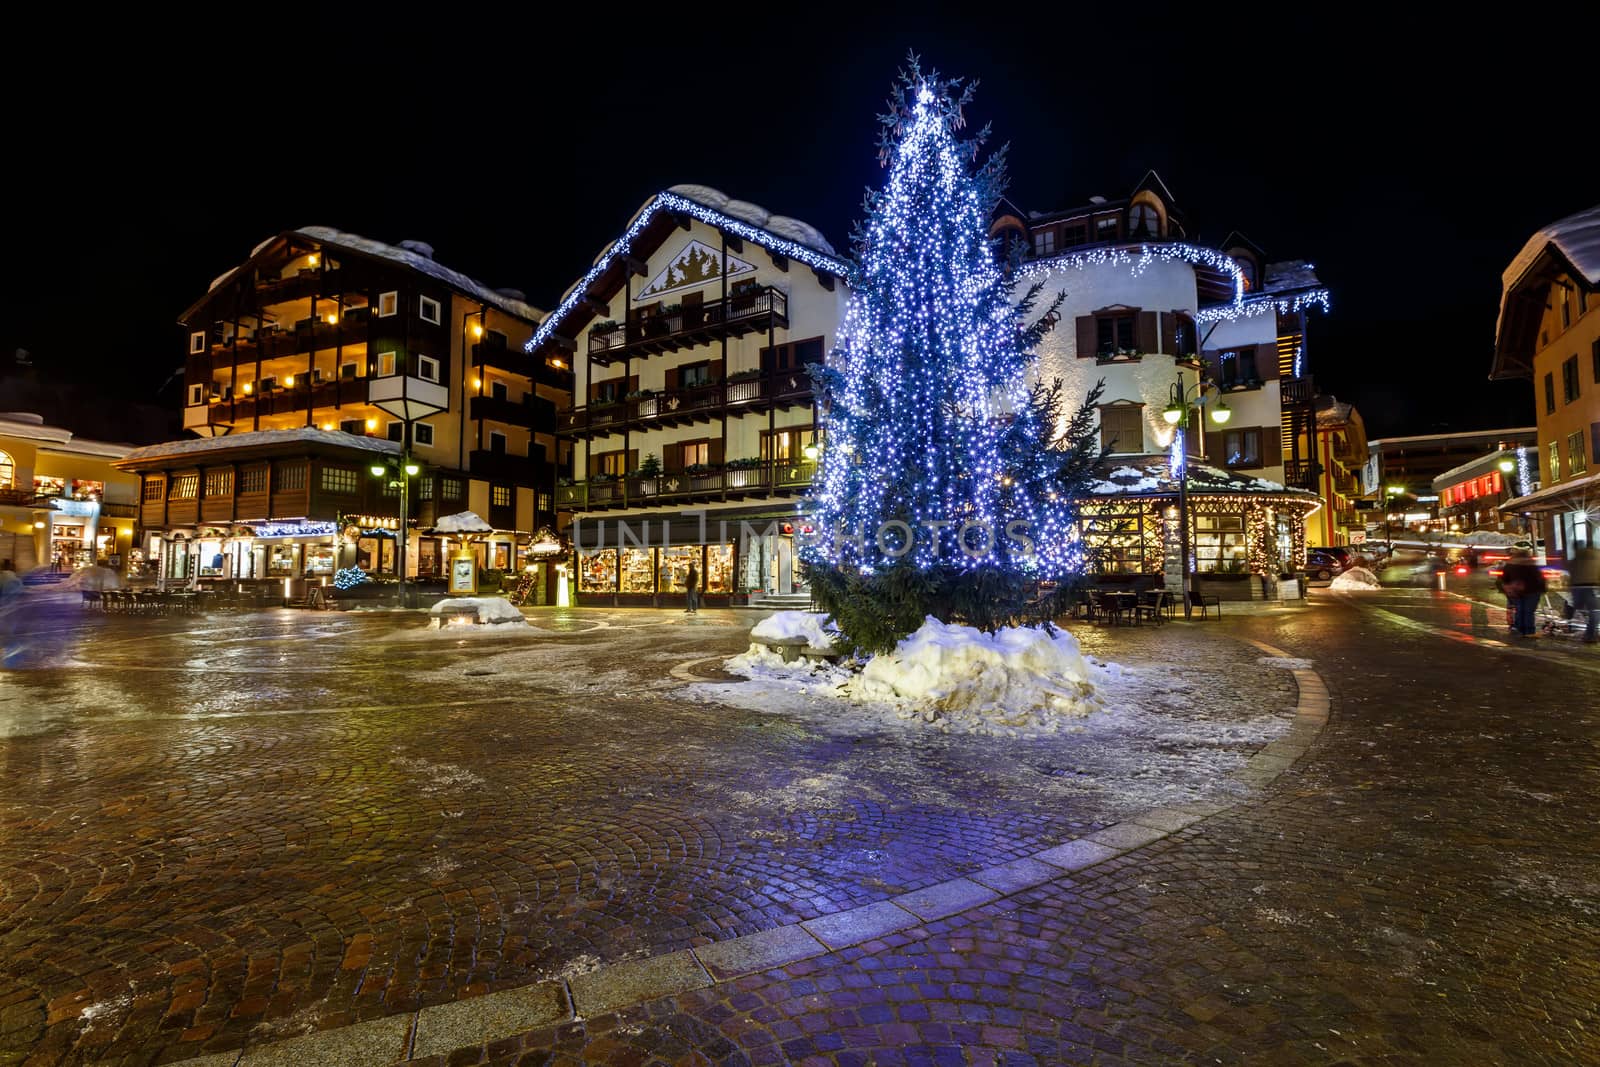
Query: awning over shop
[[1563, 496]]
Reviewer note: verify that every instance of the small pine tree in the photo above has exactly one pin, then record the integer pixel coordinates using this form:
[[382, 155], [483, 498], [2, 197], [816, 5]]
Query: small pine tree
[[947, 479]]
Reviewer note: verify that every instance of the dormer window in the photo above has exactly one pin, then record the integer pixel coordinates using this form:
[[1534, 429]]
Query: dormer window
[[1247, 269], [1143, 222]]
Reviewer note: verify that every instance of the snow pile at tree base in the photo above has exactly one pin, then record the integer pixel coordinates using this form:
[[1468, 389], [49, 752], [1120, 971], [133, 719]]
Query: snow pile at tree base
[[1356, 579], [490, 609], [1018, 678], [810, 625]]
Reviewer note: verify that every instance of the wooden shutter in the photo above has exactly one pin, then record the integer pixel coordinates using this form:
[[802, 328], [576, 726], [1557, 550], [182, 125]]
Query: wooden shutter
[[1169, 333], [1088, 338], [1267, 362], [672, 379], [715, 370], [714, 451], [633, 383], [1271, 446], [633, 461], [672, 457], [1144, 332]]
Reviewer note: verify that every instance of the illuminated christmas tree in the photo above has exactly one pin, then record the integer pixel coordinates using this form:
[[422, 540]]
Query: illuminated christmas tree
[[946, 483]]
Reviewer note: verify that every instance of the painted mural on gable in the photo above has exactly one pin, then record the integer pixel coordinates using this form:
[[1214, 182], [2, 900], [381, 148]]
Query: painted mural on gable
[[696, 264]]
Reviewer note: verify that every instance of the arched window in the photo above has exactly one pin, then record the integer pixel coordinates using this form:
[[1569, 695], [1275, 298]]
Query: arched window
[[1143, 221], [8, 471]]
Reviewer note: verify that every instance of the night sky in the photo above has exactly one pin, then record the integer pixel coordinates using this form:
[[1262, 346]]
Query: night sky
[[1408, 165]]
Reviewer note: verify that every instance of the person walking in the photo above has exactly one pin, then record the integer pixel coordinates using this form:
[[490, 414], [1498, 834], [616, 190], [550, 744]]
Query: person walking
[[1524, 584], [1584, 571], [692, 580]]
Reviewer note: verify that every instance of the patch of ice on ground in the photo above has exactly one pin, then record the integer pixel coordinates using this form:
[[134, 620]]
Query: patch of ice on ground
[[789, 624], [490, 609], [93, 1012], [1288, 663], [436, 777], [1356, 579]]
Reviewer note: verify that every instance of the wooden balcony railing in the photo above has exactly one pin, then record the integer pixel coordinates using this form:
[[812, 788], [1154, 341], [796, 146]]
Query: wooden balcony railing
[[1301, 474], [649, 332], [677, 407], [701, 483]]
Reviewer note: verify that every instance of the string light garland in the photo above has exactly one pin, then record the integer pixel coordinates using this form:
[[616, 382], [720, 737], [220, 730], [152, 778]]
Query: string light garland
[[1282, 305], [1137, 260], [674, 203], [349, 578], [295, 529], [1524, 472], [938, 450]]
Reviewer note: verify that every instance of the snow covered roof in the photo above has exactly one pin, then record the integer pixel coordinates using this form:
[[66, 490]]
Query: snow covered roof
[[1473, 467], [462, 522], [776, 233], [1142, 475], [414, 254], [1577, 239], [1557, 497], [1289, 275], [261, 438], [1331, 412]]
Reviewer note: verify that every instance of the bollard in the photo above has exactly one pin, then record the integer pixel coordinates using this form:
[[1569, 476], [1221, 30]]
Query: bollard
[[1440, 576]]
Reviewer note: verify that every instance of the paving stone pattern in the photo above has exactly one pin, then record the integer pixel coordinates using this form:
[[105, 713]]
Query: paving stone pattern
[[217, 835], [1421, 888]]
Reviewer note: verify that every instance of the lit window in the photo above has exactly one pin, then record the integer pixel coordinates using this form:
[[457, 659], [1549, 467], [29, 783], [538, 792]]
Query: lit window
[[219, 483], [388, 304], [500, 496], [197, 342], [1555, 460], [450, 488], [8, 471], [197, 394], [342, 480], [385, 364], [1044, 242], [428, 308], [185, 486], [1577, 459], [422, 434], [696, 453], [427, 368]]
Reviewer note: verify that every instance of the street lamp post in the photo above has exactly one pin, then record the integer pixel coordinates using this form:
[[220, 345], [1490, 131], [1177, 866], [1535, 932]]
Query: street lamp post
[[404, 472], [1177, 416]]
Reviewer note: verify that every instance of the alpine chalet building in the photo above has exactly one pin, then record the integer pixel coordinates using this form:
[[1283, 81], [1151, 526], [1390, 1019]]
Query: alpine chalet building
[[693, 428], [323, 355]]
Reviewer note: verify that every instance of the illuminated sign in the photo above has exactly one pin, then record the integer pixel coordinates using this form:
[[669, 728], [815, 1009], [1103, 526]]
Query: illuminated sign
[[1472, 489], [295, 529]]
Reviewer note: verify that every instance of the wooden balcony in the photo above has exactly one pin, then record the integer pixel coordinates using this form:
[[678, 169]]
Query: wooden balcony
[[23, 498], [681, 407], [645, 334], [505, 467], [1301, 474], [728, 482]]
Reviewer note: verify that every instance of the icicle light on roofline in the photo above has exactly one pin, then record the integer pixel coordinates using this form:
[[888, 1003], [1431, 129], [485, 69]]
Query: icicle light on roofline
[[673, 202], [1249, 309], [1137, 260]]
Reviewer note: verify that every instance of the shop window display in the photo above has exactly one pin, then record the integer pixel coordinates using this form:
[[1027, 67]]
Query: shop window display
[[212, 564], [719, 569], [675, 564], [1219, 544], [597, 571], [319, 559], [280, 561], [638, 570]]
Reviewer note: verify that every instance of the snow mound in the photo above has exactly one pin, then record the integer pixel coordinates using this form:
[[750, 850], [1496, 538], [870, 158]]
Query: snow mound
[[1018, 678], [788, 624], [463, 522], [1355, 579], [490, 609]]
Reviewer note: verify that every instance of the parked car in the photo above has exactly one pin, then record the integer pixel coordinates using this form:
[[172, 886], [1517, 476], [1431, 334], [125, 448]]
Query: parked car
[[1339, 552], [1321, 566]]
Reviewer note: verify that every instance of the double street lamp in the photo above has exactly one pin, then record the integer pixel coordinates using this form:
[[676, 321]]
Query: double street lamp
[[400, 474], [1177, 416]]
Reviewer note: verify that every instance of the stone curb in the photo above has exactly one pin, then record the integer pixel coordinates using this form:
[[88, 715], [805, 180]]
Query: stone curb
[[480, 1020]]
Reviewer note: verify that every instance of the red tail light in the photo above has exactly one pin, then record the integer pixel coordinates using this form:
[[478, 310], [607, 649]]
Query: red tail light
[[1461, 569]]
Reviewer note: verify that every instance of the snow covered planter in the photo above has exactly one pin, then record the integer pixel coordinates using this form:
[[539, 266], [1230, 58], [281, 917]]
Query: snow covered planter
[[1018, 680], [473, 611], [789, 634]]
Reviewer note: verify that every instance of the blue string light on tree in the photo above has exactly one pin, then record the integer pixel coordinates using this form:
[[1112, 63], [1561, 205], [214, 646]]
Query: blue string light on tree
[[349, 578], [941, 489]]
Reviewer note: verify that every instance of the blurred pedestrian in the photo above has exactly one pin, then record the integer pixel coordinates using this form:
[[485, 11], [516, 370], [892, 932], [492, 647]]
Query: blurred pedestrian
[[692, 580], [1523, 583], [1584, 570]]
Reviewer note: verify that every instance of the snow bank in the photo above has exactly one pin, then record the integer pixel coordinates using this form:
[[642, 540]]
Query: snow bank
[[490, 609], [1355, 579], [1016, 678], [462, 522], [786, 624], [1019, 680]]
